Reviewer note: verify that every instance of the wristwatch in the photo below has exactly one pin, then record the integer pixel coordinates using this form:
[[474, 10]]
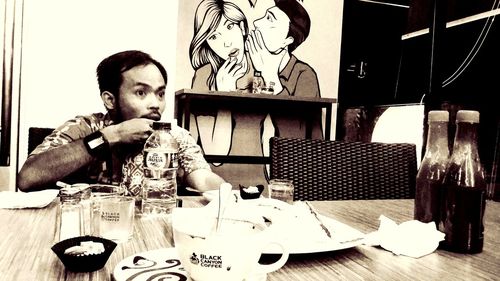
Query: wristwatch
[[96, 145]]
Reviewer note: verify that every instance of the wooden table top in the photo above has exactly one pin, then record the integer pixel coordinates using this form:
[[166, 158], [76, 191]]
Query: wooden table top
[[27, 236]]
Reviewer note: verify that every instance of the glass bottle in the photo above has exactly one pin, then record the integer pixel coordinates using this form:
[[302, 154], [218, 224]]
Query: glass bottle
[[69, 214], [431, 172], [464, 189], [268, 89], [257, 83], [160, 170]]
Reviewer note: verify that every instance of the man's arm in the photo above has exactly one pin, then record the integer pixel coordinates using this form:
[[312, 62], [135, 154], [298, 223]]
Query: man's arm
[[56, 163], [52, 165], [203, 180]]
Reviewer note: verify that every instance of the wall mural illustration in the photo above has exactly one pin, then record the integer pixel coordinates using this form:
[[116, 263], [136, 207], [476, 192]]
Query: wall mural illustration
[[230, 41]]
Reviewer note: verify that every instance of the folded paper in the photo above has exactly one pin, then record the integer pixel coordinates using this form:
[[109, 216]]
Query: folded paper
[[21, 200], [411, 238]]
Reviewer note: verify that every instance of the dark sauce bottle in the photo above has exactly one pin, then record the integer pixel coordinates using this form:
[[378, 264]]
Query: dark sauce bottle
[[432, 169], [464, 190]]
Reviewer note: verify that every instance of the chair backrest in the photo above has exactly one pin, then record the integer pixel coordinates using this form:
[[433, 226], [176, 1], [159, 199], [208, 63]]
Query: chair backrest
[[36, 136], [339, 170]]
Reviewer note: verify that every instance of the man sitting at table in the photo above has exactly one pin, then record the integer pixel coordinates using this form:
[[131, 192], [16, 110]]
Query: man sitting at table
[[132, 86]]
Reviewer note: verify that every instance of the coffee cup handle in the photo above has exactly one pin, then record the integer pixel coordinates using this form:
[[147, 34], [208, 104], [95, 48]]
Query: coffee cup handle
[[266, 268]]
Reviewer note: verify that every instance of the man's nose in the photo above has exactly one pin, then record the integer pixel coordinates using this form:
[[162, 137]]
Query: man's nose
[[154, 101], [256, 23]]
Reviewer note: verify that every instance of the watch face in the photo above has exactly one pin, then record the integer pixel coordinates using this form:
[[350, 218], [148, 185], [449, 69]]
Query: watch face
[[96, 142]]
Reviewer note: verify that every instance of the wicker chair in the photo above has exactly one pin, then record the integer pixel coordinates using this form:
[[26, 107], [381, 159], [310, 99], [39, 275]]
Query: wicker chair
[[337, 170], [36, 136]]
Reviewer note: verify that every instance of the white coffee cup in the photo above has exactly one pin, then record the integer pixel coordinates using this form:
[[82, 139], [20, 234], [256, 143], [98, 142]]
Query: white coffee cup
[[231, 252]]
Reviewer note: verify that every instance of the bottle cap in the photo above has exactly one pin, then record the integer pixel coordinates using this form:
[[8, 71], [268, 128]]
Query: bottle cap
[[69, 194], [158, 125], [438, 116], [467, 116]]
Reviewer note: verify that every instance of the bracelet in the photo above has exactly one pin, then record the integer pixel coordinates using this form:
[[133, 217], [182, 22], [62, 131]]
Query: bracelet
[[97, 145]]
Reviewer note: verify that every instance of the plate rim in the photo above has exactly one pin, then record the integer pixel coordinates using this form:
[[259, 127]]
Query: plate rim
[[330, 246]]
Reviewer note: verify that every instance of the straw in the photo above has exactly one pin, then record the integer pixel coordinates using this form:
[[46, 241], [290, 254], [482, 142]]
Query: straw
[[224, 195]]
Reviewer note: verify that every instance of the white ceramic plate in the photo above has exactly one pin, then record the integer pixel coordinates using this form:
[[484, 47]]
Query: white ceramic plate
[[301, 233], [343, 237], [297, 229]]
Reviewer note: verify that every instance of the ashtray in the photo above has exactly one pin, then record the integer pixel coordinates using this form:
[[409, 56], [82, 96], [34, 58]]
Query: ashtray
[[251, 192], [83, 263]]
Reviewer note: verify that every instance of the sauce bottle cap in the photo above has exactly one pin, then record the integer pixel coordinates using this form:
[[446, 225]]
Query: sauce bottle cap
[[467, 116], [438, 116]]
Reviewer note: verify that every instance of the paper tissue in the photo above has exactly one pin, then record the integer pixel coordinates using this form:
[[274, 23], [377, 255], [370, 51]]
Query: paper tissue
[[411, 238]]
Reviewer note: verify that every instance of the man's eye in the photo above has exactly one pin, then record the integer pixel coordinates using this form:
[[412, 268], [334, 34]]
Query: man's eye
[[161, 94], [140, 93]]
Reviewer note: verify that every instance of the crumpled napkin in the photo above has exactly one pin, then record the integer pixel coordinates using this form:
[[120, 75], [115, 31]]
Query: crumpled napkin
[[411, 238], [21, 200]]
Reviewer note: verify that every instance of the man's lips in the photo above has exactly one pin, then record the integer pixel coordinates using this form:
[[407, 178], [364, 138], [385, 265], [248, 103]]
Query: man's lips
[[154, 116]]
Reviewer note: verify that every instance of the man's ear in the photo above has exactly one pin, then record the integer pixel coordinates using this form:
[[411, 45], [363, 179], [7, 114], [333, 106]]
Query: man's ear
[[289, 40], [109, 100]]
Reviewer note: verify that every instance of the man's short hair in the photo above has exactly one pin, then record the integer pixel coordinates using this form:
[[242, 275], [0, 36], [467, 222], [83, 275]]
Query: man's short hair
[[300, 23], [109, 71]]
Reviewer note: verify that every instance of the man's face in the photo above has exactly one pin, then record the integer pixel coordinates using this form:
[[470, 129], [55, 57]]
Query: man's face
[[274, 28], [227, 40], [142, 93]]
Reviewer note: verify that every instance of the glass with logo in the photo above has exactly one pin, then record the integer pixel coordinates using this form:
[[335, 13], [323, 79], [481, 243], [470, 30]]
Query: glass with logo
[[281, 189]]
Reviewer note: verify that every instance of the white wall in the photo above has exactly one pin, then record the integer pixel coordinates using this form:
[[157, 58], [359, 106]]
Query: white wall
[[13, 55], [64, 41]]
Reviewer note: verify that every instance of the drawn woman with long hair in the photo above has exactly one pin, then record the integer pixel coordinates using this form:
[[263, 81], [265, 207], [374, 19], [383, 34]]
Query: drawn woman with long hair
[[217, 48], [218, 56]]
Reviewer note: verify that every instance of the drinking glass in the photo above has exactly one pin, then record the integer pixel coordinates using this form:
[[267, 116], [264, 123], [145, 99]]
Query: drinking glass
[[281, 189], [98, 192], [116, 218]]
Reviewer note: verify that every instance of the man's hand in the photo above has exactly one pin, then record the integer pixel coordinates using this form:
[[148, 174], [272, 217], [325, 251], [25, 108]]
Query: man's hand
[[132, 131], [263, 60]]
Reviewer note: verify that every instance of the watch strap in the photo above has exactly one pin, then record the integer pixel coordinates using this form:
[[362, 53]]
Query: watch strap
[[96, 145]]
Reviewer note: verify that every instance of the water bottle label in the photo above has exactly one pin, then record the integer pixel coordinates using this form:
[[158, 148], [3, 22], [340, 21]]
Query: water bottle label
[[160, 160]]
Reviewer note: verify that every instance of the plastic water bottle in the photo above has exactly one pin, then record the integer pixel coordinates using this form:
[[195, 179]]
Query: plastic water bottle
[[159, 192], [431, 172], [464, 189]]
